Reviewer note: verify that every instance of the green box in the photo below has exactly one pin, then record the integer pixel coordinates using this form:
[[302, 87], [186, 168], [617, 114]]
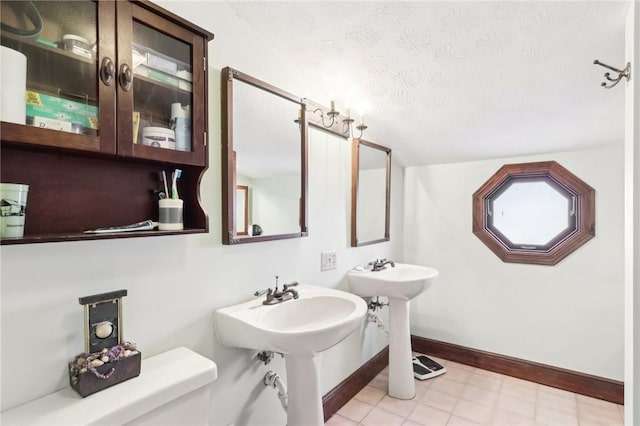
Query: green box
[[55, 108]]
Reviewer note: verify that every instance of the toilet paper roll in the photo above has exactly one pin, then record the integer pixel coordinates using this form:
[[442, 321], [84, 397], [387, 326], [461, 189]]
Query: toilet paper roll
[[13, 80]]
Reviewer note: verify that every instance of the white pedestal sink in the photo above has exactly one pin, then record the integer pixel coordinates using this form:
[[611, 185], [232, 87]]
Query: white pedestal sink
[[299, 329], [399, 284]]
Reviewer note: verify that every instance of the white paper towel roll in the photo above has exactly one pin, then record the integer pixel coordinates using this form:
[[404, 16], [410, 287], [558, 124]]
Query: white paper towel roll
[[13, 84]]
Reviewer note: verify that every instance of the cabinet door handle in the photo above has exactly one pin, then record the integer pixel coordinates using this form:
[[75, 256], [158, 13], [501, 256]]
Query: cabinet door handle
[[107, 71], [126, 77]]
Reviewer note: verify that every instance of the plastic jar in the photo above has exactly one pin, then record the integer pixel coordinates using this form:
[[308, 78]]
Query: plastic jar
[[77, 45], [159, 137]]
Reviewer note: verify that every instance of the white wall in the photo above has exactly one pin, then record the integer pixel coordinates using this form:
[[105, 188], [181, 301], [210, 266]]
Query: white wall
[[569, 315], [175, 283], [275, 204]]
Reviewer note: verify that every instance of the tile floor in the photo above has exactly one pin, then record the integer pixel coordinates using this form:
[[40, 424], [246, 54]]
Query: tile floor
[[467, 395]]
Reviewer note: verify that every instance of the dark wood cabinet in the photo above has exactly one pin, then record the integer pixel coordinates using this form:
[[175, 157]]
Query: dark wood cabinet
[[116, 92]]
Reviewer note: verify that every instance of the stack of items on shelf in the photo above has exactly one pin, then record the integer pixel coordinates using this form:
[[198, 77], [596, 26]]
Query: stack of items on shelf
[[53, 112], [161, 68]]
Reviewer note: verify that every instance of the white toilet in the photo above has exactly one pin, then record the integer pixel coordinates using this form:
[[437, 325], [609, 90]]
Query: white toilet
[[172, 389]]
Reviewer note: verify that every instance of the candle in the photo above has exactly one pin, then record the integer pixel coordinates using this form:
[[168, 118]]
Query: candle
[[333, 106], [348, 112], [362, 120]]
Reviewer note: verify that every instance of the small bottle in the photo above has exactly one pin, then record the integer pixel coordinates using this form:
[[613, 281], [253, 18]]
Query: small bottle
[[181, 124]]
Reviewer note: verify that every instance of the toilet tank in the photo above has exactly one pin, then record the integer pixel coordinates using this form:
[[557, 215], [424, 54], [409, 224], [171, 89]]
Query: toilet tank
[[172, 389]]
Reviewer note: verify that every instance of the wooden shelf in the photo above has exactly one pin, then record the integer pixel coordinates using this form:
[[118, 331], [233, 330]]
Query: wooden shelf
[[167, 87], [69, 194], [52, 238]]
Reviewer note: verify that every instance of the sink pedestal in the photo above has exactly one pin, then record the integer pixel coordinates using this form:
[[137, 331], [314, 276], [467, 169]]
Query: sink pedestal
[[401, 380], [304, 407], [399, 284]]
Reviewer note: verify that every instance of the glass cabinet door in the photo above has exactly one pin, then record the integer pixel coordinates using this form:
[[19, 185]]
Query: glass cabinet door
[[163, 87], [51, 61]]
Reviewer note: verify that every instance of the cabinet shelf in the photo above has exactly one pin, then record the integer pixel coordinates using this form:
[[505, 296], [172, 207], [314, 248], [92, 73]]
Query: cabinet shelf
[[28, 136], [69, 194], [176, 91], [52, 238], [43, 50], [74, 73]]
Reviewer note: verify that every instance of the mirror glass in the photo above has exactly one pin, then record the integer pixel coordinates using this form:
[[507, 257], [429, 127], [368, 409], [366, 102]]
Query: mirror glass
[[242, 209], [371, 190], [534, 213], [265, 146]]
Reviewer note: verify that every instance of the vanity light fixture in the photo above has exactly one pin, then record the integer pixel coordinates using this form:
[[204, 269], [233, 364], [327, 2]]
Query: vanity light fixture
[[348, 123], [333, 117]]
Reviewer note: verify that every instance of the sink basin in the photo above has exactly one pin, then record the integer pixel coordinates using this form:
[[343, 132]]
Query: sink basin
[[299, 329], [319, 319], [402, 282]]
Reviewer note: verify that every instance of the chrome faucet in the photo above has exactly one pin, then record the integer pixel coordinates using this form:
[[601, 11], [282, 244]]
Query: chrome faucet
[[275, 296], [379, 264]]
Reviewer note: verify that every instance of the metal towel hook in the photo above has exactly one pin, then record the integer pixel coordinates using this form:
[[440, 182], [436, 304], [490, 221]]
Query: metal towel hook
[[626, 72]]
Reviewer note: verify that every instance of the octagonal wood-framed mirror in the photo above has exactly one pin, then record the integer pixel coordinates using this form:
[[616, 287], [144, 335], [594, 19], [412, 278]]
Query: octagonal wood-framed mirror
[[535, 213]]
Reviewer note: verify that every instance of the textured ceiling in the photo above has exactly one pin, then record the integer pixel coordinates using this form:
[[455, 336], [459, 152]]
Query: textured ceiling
[[459, 81]]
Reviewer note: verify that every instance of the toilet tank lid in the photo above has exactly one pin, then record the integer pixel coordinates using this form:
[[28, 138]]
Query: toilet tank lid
[[163, 378]]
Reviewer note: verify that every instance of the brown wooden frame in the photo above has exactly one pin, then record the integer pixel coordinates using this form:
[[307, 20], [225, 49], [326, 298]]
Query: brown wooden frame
[[585, 206], [355, 168], [229, 234]]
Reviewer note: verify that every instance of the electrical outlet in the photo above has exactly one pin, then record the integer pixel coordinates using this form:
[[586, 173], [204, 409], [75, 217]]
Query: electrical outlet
[[327, 260]]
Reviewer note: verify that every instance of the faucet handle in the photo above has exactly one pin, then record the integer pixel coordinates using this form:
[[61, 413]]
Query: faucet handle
[[262, 292], [291, 284]]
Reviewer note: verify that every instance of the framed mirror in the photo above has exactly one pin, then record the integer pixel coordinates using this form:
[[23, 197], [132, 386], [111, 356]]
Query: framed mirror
[[264, 148], [534, 213], [370, 193]]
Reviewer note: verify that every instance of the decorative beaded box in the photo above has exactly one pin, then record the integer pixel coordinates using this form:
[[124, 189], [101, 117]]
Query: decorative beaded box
[[107, 359]]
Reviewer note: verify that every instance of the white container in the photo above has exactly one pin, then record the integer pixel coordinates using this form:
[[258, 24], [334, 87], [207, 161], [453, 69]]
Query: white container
[[13, 81], [181, 123], [159, 137], [77, 45], [13, 206], [170, 214]]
